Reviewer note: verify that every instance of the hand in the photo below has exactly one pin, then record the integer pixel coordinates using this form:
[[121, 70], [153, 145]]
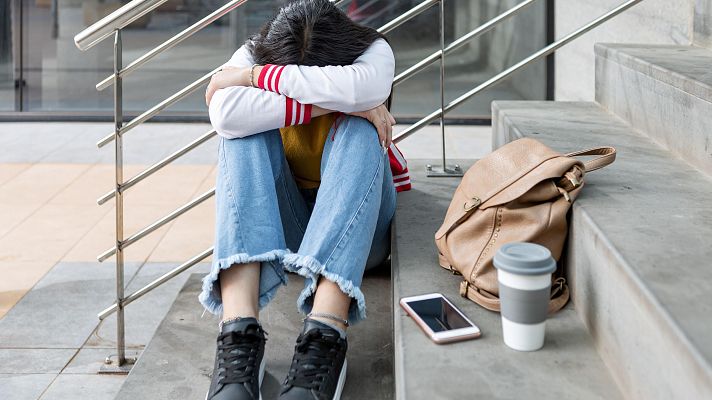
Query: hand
[[228, 76], [382, 120]]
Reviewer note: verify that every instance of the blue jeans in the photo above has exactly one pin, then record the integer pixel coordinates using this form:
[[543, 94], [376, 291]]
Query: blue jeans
[[336, 232]]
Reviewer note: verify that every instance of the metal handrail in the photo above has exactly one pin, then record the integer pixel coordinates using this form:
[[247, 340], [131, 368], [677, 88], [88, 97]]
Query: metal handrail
[[157, 282], [157, 224], [148, 114], [173, 41], [484, 28], [407, 16], [509, 71], [151, 112], [118, 19], [160, 164]]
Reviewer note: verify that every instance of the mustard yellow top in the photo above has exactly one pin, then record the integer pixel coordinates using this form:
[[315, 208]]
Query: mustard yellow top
[[303, 145]]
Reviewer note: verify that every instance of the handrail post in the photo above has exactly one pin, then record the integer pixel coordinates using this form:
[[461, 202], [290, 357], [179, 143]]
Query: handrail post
[[119, 167], [122, 364], [444, 170]]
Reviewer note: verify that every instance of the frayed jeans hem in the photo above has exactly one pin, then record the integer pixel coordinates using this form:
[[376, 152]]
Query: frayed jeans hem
[[311, 269], [210, 296]]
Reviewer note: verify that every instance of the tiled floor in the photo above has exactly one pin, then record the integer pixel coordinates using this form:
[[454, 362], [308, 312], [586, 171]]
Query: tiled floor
[[51, 230]]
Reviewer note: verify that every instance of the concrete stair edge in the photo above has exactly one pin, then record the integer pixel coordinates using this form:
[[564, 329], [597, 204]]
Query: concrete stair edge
[[696, 364], [663, 91], [626, 55]]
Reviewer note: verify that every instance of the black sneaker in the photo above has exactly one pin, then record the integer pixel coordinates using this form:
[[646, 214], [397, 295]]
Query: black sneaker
[[239, 361], [318, 370]]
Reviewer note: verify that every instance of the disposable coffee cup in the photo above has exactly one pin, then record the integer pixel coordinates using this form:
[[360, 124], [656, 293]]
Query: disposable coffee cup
[[524, 275]]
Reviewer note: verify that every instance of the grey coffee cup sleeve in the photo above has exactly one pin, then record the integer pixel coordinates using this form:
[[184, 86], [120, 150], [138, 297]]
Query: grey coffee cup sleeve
[[524, 306]]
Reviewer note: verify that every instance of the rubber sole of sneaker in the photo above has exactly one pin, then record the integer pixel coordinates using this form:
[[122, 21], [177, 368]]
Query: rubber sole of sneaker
[[340, 383], [262, 375]]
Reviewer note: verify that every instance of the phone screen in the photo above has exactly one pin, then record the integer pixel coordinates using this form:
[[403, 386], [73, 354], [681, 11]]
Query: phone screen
[[438, 314]]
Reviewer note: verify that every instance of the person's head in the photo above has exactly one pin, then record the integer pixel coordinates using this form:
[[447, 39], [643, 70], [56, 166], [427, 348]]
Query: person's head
[[311, 32]]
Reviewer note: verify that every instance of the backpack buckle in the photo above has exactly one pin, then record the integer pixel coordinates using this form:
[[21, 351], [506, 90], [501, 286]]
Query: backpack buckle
[[472, 203], [463, 288]]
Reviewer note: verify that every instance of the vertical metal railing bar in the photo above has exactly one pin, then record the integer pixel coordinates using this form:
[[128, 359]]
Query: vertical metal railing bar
[[407, 16], [442, 81], [156, 225], [160, 106], [157, 282], [160, 164], [509, 71], [119, 231], [484, 28], [173, 41]]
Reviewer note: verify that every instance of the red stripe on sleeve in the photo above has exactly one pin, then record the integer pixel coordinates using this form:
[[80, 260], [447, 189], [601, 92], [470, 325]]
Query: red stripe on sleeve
[[263, 75], [268, 79], [279, 75], [307, 113], [299, 111], [288, 114]]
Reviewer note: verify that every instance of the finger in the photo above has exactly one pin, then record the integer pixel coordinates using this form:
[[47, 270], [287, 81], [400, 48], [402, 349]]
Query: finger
[[393, 120], [381, 128], [389, 136]]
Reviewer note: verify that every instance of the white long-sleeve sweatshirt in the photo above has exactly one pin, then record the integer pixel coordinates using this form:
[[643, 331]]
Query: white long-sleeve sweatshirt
[[286, 93]]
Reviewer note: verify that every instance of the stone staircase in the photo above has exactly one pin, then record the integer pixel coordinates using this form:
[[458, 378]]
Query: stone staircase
[[639, 258], [639, 263]]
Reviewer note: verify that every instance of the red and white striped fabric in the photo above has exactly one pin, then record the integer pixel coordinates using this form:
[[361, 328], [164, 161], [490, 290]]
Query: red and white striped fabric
[[296, 113], [399, 168]]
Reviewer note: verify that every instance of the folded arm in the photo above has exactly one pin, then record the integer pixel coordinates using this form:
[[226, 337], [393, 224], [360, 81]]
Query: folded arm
[[294, 94], [360, 86]]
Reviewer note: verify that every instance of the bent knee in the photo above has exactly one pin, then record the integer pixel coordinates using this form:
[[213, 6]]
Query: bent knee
[[359, 135]]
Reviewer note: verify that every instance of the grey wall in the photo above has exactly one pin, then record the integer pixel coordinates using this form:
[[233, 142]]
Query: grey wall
[[652, 21]]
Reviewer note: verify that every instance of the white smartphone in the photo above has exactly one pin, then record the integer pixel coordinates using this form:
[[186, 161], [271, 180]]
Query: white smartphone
[[439, 318]]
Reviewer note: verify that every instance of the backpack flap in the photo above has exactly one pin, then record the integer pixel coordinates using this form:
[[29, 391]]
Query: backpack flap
[[502, 176]]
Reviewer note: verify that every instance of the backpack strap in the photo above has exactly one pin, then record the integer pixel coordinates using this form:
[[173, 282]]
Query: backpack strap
[[607, 156]]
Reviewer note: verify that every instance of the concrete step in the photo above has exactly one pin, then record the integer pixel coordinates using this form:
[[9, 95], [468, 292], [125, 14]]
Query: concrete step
[[178, 361], [568, 366], [639, 252], [662, 90]]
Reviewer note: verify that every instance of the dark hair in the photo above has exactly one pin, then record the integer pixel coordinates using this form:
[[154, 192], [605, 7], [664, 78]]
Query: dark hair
[[311, 32]]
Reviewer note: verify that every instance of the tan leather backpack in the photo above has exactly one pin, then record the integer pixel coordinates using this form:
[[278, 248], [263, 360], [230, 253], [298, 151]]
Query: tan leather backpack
[[518, 193]]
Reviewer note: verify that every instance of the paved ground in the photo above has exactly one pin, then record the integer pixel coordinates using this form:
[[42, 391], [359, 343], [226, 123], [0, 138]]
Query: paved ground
[[51, 287]]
